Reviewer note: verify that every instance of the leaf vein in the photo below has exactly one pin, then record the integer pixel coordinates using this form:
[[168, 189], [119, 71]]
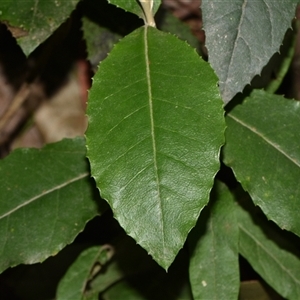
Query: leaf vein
[[123, 154], [55, 188], [147, 62], [178, 105], [277, 147], [180, 162], [118, 124], [181, 135], [135, 176], [287, 271]]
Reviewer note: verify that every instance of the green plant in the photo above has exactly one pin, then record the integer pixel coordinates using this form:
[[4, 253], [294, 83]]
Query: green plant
[[156, 128]]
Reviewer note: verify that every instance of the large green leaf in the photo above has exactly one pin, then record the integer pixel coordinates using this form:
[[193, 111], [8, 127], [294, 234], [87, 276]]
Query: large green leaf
[[241, 36], [265, 247], [45, 200], [134, 6], [214, 266], [262, 147], [38, 18], [155, 130]]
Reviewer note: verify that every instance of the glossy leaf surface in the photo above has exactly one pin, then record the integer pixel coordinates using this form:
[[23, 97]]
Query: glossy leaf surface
[[38, 19], [241, 36], [46, 198], [214, 266], [266, 250], [155, 130], [262, 147]]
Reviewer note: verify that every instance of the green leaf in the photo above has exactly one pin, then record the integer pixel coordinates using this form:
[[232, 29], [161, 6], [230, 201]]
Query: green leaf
[[134, 6], [155, 130], [214, 266], [46, 198], [74, 284], [38, 18], [241, 36], [267, 254], [262, 148]]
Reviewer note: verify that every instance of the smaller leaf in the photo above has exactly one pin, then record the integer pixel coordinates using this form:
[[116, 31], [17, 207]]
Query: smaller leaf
[[267, 254], [74, 284], [214, 270], [46, 198], [38, 18], [262, 147], [133, 274], [241, 36]]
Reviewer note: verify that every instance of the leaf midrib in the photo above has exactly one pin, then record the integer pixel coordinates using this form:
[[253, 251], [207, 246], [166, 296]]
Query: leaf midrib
[[262, 247], [55, 188], [258, 133], [147, 62]]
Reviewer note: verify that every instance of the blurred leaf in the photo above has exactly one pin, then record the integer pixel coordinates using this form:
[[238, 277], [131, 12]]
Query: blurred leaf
[[99, 41], [131, 274], [46, 198], [134, 6], [276, 265], [262, 147], [155, 129], [74, 284], [241, 36], [214, 266], [170, 23], [38, 18]]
